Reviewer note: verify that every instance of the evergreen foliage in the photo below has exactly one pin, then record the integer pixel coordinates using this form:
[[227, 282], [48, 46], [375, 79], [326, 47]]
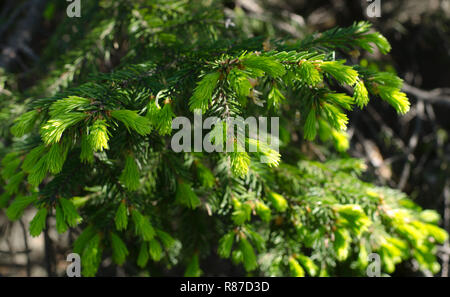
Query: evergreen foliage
[[104, 137]]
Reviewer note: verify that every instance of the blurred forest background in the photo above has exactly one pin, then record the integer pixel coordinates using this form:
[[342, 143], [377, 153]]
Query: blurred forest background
[[411, 153]]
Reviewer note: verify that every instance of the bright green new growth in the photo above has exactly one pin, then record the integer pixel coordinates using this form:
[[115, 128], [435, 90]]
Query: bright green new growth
[[342, 73], [263, 211], [278, 201], [186, 196], [241, 213], [25, 123], [153, 112], [165, 120], [193, 267], [353, 218], [32, 158], [56, 157], [143, 255], [121, 217], [165, 238], [310, 125], [240, 83], [295, 268], [71, 215], [275, 98], [9, 164], [271, 156], [379, 40], [83, 239], [205, 175], [87, 150], [308, 264], [39, 171], [225, 245], [240, 162], [130, 174], [91, 256], [37, 224], [202, 95], [340, 99], [98, 136], [131, 119], [308, 72], [120, 251], [16, 208], [335, 116], [340, 140], [13, 184], [248, 254], [269, 65], [61, 225], [341, 244], [67, 105], [142, 226], [52, 131], [395, 98], [155, 250], [361, 96]]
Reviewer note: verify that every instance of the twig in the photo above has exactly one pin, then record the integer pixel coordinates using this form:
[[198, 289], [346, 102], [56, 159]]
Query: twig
[[438, 96]]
